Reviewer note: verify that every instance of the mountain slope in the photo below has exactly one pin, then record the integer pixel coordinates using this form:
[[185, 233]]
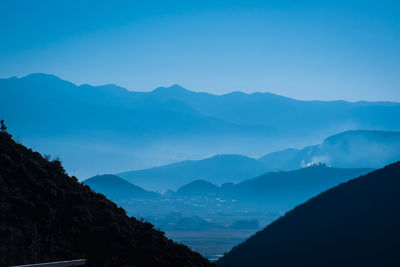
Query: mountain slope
[[350, 149], [217, 170], [286, 189], [275, 161], [354, 224], [46, 215], [117, 188], [275, 191]]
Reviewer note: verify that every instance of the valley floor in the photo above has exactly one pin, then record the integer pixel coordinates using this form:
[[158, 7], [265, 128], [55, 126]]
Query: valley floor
[[212, 243]]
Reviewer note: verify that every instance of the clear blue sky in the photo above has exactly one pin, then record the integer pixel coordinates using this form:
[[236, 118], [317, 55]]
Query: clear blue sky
[[302, 49]]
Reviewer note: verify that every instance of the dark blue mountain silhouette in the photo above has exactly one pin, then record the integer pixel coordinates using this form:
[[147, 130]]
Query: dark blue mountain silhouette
[[47, 216], [354, 224], [198, 188], [275, 190]]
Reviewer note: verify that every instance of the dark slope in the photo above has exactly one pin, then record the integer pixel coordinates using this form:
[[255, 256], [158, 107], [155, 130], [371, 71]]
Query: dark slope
[[279, 191], [218, 169], [117, 188], [354, 224], [287, 189], [45, 215], [350, 149]]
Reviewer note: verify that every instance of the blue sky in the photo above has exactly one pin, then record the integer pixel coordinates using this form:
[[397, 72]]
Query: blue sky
[[302, 49]]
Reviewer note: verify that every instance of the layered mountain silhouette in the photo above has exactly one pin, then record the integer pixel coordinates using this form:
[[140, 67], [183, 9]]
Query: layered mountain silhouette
[[45, 215], [350, 149], [276, 190], [117, 188], [120, 129], [354, 224], [273, 191], [218, 169]]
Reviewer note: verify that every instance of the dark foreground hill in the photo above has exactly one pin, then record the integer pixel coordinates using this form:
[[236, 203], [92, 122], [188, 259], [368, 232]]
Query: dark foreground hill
[[354, 224], [45, 215]]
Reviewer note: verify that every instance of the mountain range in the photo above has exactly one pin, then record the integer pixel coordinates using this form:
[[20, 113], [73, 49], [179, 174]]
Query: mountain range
[[272, 191], [354, 224], [116, 129], [350, 149], [275, 190], [218, 169]]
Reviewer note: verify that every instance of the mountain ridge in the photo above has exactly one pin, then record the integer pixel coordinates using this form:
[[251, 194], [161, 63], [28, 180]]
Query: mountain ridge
[[213, 169], [46, 112], [353, 224], [47, 216]]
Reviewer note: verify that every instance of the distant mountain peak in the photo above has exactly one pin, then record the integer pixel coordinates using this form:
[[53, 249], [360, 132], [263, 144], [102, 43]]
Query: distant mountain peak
[[173, 89], [41, 75], [44, 79]]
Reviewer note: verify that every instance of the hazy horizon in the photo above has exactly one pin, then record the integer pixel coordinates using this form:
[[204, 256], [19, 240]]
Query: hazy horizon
[[303, 50], [197, 91]]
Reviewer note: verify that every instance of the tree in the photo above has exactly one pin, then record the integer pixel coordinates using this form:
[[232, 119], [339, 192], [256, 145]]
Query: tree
[[3, 127]]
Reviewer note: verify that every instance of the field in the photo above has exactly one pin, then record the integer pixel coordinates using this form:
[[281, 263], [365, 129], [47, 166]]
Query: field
[[211, 243]]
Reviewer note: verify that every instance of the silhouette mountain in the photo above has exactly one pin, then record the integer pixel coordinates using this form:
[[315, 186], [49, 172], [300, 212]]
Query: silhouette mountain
[[117, 188], [198, 188], [45, 215], [275, 190], [350, 149], [217, 169], [354, 224], [116, 125], [284, 190]]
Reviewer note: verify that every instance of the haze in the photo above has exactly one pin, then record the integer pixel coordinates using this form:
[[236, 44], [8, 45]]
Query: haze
[[301, 49]]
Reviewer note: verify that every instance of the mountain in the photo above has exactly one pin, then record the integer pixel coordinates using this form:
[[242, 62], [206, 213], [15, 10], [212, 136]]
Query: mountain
[[285, 113], [217, 169], [354, 224], [275, 191], [115, 125], [284, 190], [350, 149], [121, 129], [198, 188], [117, 188], [45, 216], [276, 161]]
